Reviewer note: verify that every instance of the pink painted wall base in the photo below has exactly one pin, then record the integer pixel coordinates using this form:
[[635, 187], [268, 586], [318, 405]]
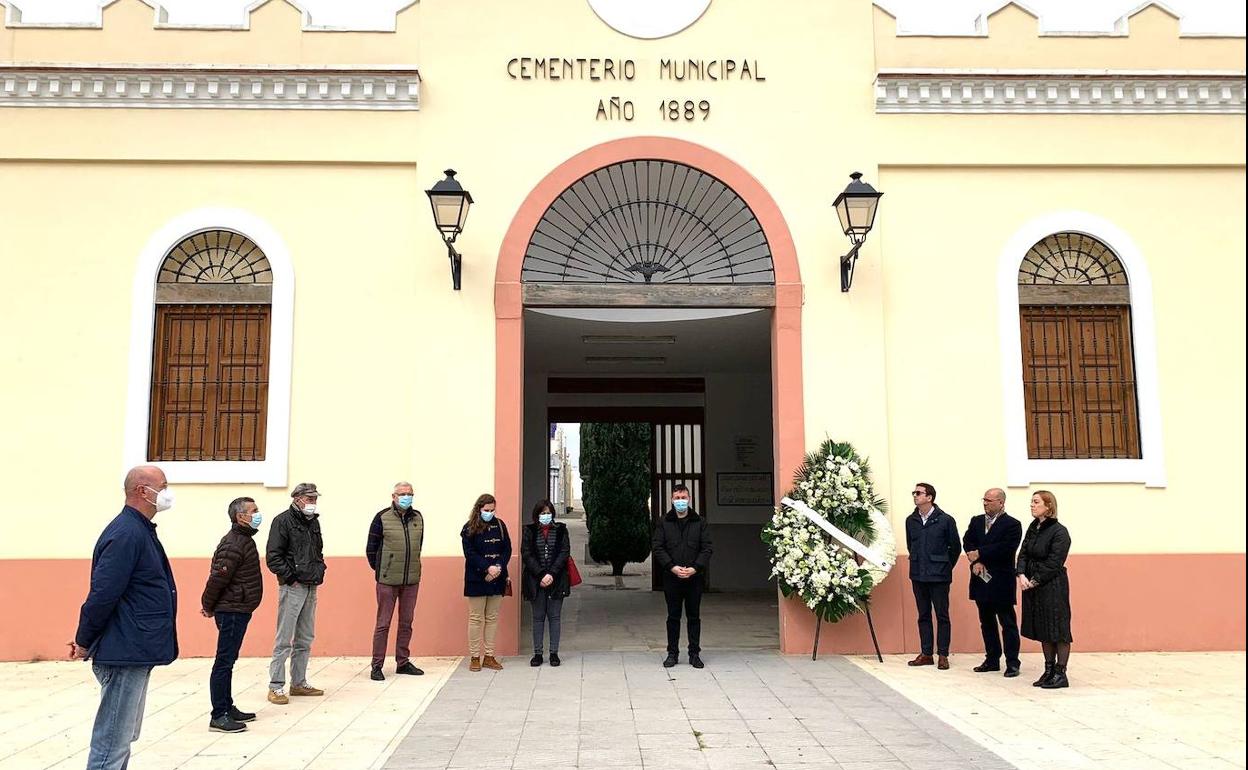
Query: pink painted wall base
[[1121, 603]]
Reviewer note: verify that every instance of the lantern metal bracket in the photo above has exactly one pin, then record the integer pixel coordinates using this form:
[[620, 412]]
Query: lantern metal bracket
[[457, 260], [847, 266]]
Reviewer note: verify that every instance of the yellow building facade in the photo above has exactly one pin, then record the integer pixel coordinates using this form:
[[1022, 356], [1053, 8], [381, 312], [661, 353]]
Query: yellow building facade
[[125, 138]]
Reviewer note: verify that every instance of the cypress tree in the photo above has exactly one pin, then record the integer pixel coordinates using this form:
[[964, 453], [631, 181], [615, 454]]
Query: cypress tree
[[615, 469]]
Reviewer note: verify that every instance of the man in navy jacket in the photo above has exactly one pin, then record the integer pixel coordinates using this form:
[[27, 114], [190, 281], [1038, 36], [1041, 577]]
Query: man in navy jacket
[[128, 622], [932, 539]]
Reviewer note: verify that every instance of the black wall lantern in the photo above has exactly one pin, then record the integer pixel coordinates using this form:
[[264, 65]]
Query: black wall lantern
[[450, 202], [856, 209]]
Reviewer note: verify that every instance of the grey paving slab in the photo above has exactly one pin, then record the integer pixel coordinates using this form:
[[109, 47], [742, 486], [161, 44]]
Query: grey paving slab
[[747, 710]]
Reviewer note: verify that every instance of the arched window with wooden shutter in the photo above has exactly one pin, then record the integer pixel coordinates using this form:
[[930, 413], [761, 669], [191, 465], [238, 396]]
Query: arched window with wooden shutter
[[210, 357], [1079, 388]]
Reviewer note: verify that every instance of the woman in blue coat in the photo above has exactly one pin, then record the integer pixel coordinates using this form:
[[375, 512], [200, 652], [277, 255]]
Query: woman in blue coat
[[487, 549]]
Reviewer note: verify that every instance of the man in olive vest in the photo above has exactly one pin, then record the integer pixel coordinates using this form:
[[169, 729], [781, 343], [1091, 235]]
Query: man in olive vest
[[393, 550]]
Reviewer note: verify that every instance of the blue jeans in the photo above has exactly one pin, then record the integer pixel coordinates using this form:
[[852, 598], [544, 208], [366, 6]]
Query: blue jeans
[[123, 692], [231, 626]]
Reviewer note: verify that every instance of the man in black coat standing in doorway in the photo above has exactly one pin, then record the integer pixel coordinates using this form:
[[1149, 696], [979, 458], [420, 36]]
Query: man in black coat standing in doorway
[[991, 544], [682, 551], [932, 539]]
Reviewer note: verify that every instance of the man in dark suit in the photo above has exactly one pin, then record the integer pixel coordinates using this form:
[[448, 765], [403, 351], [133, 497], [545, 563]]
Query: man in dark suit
[[932, 540], [991, 544]]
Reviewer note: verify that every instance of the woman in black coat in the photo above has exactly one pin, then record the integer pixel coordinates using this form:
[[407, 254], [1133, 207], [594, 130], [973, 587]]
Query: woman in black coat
[[544, 550], [1046, 589]]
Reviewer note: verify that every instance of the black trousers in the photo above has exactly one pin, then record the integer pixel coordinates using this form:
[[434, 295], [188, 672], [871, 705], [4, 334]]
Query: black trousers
[[992, 614], [231, 627], [683, 593], [929, 598]]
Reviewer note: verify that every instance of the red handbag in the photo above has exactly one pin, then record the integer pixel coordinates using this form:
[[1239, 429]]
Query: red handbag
[[574, 575]]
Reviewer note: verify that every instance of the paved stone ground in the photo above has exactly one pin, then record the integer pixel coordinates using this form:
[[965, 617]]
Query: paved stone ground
[[624, 710], [622, 614], [1123, 711]]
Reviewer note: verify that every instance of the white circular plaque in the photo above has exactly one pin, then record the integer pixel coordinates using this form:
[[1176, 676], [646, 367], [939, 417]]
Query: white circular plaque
[[649, 19]]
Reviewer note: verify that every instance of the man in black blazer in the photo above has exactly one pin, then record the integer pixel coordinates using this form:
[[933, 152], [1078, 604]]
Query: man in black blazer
[[991, 544], [932, 540]]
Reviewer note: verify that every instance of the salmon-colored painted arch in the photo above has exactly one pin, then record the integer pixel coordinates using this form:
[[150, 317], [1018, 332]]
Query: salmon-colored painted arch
[[786, 333]]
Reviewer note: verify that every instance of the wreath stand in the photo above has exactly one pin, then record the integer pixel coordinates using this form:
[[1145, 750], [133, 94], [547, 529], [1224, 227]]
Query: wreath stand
[[866, 608]]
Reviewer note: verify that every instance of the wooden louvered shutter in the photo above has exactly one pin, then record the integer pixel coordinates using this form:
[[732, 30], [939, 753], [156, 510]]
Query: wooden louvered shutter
[[210, 379], [1079, 382]]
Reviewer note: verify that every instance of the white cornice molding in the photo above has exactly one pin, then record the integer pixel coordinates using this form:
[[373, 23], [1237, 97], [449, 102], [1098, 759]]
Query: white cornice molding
[[210, 87], [1066, 91]]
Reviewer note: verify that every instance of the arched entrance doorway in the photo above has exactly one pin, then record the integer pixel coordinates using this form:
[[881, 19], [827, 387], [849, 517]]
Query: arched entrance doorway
[[684, 262]]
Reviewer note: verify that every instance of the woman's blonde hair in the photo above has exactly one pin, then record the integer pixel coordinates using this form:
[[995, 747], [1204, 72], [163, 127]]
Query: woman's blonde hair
[[1050, 502]]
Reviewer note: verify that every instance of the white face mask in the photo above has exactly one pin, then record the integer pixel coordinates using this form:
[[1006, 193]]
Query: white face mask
[[310, 509], [164, 499]]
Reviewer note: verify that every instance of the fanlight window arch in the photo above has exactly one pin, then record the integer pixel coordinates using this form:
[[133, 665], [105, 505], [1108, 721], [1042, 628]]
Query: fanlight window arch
[[1079, 389], [210, 356], [648, 221]]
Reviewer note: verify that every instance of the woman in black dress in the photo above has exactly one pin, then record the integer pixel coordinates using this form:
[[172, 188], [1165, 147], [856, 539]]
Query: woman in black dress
[[1046, 588]]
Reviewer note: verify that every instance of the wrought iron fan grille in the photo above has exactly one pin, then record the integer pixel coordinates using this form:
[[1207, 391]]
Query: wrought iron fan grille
[[648, 221], [215, 256], [1071, 259]]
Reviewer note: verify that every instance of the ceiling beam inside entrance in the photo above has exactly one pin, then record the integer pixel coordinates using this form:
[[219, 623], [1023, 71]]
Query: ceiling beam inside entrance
[[648, 295]]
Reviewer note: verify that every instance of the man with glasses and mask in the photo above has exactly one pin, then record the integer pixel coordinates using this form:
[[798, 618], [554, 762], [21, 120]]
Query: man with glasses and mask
[[393, 550], [932, 540], [128, 622], [295, 554], [232, 593]]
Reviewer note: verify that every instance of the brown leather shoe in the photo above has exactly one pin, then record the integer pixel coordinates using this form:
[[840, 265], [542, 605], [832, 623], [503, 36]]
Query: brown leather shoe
[[278, 697], [921, 660], [942, 663], [492, 663], [474, 664], [305, 689]]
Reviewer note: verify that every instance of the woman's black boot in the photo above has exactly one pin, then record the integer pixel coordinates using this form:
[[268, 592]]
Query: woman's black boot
[[1058, 680], [1045, 677]]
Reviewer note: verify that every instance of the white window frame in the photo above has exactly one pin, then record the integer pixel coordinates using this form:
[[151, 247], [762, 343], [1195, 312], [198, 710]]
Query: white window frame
[[1021, 470], [271, 471]]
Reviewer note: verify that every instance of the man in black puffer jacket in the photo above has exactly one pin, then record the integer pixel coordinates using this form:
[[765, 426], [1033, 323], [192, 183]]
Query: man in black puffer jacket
[[295, 554], [682, 552], [233, 592]]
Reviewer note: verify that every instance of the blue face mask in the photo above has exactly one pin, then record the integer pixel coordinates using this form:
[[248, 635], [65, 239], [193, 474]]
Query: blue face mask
[[680, 505], [256, 518], [405, 501], [545, 518], [487, 516]]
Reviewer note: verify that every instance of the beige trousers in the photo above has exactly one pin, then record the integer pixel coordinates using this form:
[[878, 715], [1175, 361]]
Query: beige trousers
[[482, 623]]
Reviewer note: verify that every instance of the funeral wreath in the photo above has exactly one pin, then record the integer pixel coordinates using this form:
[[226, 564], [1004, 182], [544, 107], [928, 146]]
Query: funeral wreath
[[834, 481]]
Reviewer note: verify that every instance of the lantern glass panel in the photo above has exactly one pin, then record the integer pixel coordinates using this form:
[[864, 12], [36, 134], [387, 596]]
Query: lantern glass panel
[[449, 212], [861, 213]]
